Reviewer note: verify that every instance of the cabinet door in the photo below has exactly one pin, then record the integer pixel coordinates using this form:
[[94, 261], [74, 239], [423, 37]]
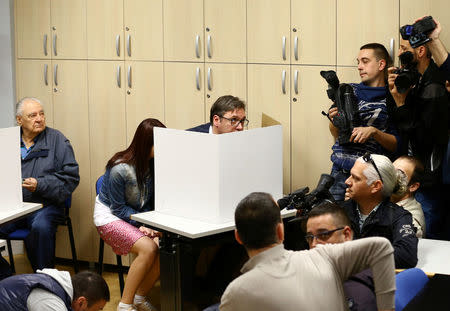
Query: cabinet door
[[225, 26], [32, 28], [183, 30], [34, 79], [184, 94], [143, 29], [105, 29], [268, 99], [71, 116], [68, 29], [145, 94], [268, 31], [356, 26], [313, 32], [106, 113], [224, 79], [311, 140]]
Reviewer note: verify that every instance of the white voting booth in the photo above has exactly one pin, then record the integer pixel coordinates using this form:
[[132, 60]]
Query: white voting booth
[[10, 168], [203, 177]]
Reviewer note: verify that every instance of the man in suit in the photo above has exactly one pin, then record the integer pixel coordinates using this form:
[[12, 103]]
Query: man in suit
[[227, 115]]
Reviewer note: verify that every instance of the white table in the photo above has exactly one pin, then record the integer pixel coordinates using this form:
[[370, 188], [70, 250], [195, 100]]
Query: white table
[[177, 233], [8, 214], [433, 256]]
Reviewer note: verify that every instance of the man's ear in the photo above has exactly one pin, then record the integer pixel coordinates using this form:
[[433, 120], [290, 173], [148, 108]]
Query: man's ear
[[376, 186], [414, 187], [19, 120], [382, 64], [421, 51], [237, 237], [348, 233], [79, 303], [280, 231], [216, 120]]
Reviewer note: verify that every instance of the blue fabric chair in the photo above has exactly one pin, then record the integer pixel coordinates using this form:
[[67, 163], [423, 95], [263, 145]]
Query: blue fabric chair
[[408, 283], [98, 187], [21, 235]]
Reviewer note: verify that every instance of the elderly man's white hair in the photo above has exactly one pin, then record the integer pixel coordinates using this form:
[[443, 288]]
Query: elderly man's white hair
[[19, 106], [387, 172]]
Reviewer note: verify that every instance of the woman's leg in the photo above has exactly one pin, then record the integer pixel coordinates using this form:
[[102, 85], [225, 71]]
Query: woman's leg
[[147, 252], [150, 279]]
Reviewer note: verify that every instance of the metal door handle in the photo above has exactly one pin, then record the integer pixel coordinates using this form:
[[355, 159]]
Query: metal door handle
[[118, 45], [197, 78], [54, 45], [55, 74], [45, 44], [129, 76], [46, 74], [296, 82], [129, 45], [284, 48], [209, 79], [283, 81], [296, 48], [119, 84], [391, 47], [197, 49], [209, 46]]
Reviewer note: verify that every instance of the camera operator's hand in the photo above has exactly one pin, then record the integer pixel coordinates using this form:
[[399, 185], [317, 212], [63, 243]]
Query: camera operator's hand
[[362, 134], [398, 97], [332, 112]]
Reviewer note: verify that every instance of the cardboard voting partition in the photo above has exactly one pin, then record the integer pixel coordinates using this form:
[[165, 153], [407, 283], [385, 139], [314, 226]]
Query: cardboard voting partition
[[10, 168], [204, 176]]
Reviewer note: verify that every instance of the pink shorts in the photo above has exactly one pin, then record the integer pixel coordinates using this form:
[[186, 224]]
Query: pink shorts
[[120, 235]]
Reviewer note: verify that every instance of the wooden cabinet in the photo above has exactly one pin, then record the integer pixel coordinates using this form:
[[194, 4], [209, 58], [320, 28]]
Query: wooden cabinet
[[184, 94], [269, 97], [268, 31], [313, 32], [362, 21], [145, 94], [311, 140], [224, 79], [51, 29], [34, 78]]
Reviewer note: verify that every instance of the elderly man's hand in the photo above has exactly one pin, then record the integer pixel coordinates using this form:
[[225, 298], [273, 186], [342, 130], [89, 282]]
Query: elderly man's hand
[[30, 184]]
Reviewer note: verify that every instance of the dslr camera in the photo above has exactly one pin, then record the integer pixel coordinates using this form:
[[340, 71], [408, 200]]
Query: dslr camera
[[346, 102], [417, 33], [304, 202]]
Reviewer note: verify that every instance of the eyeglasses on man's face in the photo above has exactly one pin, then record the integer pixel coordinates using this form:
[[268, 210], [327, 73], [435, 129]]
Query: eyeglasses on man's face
[[368, 159], [236, 121], [321, 236]]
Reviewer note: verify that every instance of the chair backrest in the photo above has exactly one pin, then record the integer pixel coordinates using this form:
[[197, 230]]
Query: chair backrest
[[98, 184], [408, 283]]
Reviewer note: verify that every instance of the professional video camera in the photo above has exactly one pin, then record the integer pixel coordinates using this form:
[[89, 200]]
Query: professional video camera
[[417, 34], [408, 75], [304, 201], [345, 100]]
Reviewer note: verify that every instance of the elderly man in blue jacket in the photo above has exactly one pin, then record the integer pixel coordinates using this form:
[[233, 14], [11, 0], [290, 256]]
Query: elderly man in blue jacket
[[49, 176]]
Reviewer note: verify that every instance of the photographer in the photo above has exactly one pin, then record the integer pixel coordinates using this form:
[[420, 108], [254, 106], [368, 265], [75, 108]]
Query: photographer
[[421, 115], [372, 180], [376, 132], [438, 50]]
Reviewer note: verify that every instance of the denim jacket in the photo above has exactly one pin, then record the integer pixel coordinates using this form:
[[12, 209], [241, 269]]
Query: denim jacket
[[121, 193]]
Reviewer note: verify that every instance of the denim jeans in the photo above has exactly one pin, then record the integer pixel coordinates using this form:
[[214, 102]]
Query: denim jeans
[[339, 186]]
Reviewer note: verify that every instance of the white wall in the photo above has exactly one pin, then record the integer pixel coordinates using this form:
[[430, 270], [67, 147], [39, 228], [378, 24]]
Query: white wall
[[7, 85]]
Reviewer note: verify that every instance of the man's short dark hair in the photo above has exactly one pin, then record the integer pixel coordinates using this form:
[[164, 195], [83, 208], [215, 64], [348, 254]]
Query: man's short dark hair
[[339, 215], [224, 104], [380, 52], [91, 286], [418, 172], [256, 218]]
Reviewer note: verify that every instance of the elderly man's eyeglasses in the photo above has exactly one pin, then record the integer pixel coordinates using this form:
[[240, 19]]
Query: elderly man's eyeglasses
[[235, 122], [321, 236], [368, 158]]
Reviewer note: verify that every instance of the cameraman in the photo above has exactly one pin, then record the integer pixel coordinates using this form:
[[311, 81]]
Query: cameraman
[[376, 133], [438, 50], [421, 115]]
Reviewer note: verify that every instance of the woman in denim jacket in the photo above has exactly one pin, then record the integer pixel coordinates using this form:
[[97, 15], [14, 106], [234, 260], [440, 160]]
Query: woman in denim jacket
[[128, 188]]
